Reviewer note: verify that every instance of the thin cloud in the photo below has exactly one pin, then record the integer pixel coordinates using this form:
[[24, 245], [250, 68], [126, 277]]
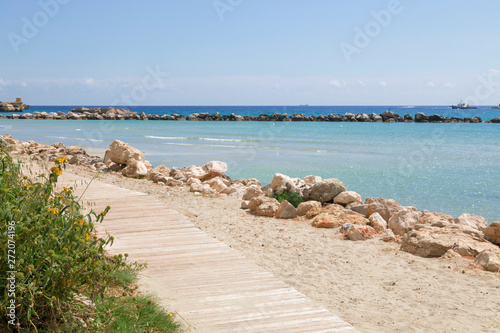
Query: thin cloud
[[337, 83], [450, 84], [430, 84], [383, 84]]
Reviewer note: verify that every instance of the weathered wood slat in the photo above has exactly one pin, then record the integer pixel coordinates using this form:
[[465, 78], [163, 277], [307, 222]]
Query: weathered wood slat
[[212, 286]]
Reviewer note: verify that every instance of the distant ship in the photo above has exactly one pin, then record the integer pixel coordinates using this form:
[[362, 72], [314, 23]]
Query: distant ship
[[304, 105], [462, 106], [496, 107]]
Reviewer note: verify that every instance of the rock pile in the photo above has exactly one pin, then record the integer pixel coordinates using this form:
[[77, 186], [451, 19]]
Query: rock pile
[[327, 203], [83, 113], [17, 106], [38, 151]]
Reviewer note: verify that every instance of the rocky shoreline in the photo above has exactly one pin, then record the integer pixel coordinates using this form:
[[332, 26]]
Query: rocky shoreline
[[125, 114], [326, 203], [17, 106]]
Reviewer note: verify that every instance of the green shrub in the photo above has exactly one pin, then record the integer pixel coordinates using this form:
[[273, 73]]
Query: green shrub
[[48, 246], [292, 197]]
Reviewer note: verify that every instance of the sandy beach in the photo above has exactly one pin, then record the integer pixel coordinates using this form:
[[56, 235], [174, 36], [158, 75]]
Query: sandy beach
[[371, 284]]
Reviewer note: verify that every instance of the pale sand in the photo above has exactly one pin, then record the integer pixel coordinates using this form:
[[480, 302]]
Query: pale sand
[[369, 284]]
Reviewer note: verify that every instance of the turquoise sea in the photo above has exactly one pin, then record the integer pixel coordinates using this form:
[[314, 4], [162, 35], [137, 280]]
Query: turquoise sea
[[448, 168]]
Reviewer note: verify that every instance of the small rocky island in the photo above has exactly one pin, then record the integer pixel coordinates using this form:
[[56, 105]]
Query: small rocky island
[[17, 106]]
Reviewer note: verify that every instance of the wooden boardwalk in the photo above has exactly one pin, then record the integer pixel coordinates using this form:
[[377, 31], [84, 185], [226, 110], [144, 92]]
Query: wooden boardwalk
[[209, 285]]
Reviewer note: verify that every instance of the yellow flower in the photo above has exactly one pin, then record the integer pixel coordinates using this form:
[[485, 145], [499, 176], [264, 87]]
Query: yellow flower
[[61, 160], [75, 223], [58, 196], [103, 213], [170, 314], [26, 186], [67, 190], [56, 171], [54, 211], [87, 236]]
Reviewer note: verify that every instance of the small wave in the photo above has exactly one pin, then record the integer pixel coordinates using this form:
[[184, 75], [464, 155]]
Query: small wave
[[198, 145], [199, 139], [80, 139]]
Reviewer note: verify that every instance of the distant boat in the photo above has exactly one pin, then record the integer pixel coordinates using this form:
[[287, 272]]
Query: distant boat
[[463, 106], [304, 105], [496, 107]]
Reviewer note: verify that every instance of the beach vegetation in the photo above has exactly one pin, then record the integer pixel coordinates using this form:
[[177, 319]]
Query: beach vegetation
[[292, 197], [52, 258]]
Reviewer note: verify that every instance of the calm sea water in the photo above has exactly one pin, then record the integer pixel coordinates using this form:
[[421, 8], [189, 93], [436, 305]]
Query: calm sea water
[[448, 168]]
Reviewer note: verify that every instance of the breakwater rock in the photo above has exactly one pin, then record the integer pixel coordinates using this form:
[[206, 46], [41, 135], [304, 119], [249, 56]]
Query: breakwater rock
[[83, 113], [17, 106]]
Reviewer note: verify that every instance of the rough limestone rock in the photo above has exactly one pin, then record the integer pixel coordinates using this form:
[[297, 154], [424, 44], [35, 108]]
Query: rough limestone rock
[[253, 181], [347, 197], [311, 180], [403, 220], [201, 188], [121, 153], [78, 160], [74, 150], [267, 207], [489, 260], [474, 221], [193, 181], [325, 220], [169, 181], [282, 183], [333, 216], [428, 241], [388, 236], [135, 168], [193, 171], [161, 169], [435, 219], [492, 233], [361, 209], [235, 191], [253, 192], [306, 206], [244, 204], [385, 207], [377, 222], [326, 190], [217, 184], [286, 211], [115, 167], [214, 169], [358, 232], [255, 202]]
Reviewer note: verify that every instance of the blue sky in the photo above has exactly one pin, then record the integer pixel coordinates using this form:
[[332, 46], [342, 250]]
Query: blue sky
[[250, 52]]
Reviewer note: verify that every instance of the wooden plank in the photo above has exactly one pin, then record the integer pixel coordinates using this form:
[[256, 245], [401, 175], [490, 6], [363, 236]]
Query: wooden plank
[[213, 287]]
